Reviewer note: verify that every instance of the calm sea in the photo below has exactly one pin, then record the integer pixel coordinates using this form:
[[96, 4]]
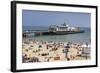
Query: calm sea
[[79, 37]]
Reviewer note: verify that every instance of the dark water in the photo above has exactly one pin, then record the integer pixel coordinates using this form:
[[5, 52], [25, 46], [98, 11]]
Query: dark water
[[79, 37]]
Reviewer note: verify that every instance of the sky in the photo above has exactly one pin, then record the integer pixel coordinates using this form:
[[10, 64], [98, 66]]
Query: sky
[[47, 18]]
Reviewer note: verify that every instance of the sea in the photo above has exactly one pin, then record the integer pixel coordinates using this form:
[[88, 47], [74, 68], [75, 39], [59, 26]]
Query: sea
[[76, 38]]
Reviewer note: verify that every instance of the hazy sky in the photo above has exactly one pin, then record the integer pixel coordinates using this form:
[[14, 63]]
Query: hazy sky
[[46, 18]]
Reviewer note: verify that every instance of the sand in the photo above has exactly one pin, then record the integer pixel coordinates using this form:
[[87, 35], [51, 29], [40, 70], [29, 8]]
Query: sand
[[41, 51]]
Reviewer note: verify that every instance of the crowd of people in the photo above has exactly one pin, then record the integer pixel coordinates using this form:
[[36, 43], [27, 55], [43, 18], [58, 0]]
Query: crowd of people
[[47, 51]]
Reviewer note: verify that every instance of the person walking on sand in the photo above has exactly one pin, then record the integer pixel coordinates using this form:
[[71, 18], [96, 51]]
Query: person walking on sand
[[66, 48]]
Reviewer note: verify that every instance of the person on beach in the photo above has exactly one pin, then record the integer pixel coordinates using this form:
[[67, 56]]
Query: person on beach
[[66, 51]]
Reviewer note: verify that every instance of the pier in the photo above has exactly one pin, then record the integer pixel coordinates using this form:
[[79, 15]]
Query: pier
[[39, 33], [62, 29]]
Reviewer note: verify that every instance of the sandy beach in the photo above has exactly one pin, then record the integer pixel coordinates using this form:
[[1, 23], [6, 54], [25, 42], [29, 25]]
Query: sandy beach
[[48, 51]]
